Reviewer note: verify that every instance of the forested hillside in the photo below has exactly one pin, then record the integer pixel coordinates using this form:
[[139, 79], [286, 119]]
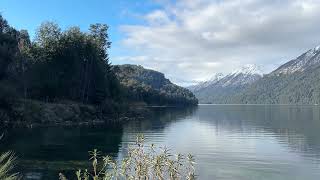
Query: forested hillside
[[152, 87], [61, 66], [297, 88]]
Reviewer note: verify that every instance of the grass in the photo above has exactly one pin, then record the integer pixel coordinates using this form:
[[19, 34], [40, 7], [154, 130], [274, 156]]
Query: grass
[[7, 163], [142, 162]]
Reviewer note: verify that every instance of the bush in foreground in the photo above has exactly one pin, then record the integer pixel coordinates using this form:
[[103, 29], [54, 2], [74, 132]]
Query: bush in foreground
[[141, 162], [7, 163]]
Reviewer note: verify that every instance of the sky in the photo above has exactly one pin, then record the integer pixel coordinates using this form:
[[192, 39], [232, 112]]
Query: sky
[[188, 40]]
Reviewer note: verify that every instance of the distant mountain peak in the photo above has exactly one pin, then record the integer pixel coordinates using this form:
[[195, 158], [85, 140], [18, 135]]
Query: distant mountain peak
[[234, 81], [299, 84], [249, 69], [308, 60], [216, 77], [313, 52]]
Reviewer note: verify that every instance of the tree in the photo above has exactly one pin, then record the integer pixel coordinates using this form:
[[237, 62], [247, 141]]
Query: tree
[[48, 35], [8, 46], [74, 60]]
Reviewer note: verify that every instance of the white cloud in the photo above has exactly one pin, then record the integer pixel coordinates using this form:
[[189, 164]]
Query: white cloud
[[190, 40]]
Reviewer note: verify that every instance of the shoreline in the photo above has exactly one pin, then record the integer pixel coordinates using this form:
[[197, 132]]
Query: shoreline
[[33, 113]]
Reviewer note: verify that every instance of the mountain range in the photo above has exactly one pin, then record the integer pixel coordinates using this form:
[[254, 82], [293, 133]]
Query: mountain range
[[295, 82]]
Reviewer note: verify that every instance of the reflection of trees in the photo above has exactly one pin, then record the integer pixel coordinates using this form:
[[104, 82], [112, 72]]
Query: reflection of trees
[[61, 143], [296, 126], [45, 152], [159, 118]]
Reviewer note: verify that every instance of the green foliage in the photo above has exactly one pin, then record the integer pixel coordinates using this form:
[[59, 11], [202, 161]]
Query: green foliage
[[59, 64], [8, 47], [151, 87], [74, 60], [9, 57], [141, 162]]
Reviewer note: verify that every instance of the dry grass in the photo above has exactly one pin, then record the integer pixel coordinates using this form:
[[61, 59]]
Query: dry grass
[[142, 163], [7, 163]]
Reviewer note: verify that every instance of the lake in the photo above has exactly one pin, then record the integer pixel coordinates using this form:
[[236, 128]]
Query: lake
[[237, 142]]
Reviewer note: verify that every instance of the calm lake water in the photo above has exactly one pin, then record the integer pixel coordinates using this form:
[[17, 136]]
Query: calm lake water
[[229, 141]]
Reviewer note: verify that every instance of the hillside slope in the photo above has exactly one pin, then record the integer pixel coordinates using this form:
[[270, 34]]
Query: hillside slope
[[222, 89], [295, 82], [152, 87]]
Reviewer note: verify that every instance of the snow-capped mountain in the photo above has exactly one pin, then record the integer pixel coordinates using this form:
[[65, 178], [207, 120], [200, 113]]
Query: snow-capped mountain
[[310, 59], [295, 82], [217, 77], [248, 69], [243, 76], [221, 86]]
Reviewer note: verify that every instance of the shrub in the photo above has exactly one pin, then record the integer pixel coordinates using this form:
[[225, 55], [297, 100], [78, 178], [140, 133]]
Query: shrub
[[7, 163], [141, 162]]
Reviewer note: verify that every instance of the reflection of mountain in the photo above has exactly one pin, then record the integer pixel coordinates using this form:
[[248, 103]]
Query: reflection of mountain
[[153, 126], [228, 141], [234, 142], [295, 126]]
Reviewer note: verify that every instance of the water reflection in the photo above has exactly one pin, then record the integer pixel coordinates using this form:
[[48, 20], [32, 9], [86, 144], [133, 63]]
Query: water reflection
[[290, 124], [44, 152], [229, 141], [242, 142]]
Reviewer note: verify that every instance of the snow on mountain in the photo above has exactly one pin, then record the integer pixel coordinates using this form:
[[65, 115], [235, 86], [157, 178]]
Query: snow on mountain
[[242, 76], [220, 88], [248, 69], [300, 85], [217, 77], [310, 59]]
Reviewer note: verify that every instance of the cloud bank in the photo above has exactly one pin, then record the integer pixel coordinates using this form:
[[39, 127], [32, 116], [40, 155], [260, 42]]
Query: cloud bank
[[190, 40]]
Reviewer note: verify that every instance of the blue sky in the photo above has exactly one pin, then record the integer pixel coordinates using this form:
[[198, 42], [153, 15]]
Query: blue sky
[[188, 40]]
